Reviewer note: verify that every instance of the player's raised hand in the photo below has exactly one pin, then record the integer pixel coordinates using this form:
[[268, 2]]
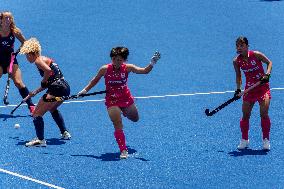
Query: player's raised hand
[[155, 58]]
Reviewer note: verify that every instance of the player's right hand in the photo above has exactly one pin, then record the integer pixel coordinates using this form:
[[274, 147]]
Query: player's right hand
[[155, 58], [237, 94], [265, 78], [82, 92]]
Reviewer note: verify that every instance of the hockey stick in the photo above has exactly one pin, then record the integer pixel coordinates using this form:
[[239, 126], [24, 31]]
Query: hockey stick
[[210, 113], [25, 99], [63, 98], [5, 98]]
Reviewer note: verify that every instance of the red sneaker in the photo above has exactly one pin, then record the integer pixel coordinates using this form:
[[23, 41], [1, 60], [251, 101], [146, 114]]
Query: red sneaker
[[32, 109]]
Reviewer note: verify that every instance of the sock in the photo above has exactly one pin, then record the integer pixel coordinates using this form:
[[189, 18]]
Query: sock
[[59, 120], [244, 125], [120, 139], [265, 125], [39, 127], [25, 92]]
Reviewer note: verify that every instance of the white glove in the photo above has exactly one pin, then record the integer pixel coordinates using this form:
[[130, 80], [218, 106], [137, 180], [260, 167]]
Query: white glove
[[155, 58], [84, 91]]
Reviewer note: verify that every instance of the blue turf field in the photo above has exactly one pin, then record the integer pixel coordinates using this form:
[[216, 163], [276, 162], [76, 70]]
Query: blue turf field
[[174, 145]]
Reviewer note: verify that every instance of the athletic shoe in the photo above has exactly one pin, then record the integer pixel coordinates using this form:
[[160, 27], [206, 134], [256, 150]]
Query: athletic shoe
[[32, 109], [124, 154], [266, 144], [36, 142], [66, 135], [243, 144]]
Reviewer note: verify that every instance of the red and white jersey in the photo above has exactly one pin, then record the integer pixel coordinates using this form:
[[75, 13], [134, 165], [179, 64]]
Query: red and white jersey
[[252, 69], [118, 93]]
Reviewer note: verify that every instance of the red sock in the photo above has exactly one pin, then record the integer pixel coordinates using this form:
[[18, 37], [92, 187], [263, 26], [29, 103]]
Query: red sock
[[244, 124], [120, 139], [265, 125]]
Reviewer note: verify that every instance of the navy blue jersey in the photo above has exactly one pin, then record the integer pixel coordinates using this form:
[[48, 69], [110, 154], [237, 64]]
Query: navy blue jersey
[[55, 74], [6, 48], [7, 44], [57, 85]]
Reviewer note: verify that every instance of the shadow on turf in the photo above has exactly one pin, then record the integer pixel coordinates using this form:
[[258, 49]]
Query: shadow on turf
[[7, 116], [269, 0], [111, 156], [50, 141], [247, 152]]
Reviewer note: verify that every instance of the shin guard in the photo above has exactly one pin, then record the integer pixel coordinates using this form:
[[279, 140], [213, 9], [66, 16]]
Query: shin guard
[[244, 125], [265, 125], [39, 127], [120, 139], [56, 115], [24, 92]]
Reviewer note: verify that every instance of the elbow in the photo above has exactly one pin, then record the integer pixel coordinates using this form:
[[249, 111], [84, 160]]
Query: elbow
[[147, 71]]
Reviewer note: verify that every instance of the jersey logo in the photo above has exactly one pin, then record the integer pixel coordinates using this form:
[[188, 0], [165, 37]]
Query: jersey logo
[[4, 43], [253, 62]]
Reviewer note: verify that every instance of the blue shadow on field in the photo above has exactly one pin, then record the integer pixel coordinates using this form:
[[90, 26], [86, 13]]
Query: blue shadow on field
[[50, 141], [270, 0], [7, 116], [248, 152], [111, 156]]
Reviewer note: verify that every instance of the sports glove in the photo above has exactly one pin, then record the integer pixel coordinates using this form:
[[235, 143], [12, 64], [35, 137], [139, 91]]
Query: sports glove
[[237, 92], [155, 58], [265, 78], [44, 84]]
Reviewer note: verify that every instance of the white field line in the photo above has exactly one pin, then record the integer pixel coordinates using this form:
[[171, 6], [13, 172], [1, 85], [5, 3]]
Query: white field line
[[146, 97], [30, 179]]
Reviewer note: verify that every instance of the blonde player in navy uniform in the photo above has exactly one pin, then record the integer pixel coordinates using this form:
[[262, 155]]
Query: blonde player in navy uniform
[[56, 85]]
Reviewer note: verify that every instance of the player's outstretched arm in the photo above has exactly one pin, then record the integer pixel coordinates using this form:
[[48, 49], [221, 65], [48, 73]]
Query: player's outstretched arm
[[94, 81], [138, 70]]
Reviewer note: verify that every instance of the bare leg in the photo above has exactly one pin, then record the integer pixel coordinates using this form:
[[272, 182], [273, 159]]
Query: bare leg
[[115, 116], [265, 120], [244, 122], [23, 90], [131, 113]]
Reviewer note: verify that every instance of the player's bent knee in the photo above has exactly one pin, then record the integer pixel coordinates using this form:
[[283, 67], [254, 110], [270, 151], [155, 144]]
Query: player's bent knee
[[134, 119]]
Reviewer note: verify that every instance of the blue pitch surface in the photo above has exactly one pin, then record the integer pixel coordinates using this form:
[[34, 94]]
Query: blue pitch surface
[[174, 145]]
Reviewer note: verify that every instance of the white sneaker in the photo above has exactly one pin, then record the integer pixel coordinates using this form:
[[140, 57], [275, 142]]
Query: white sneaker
[[243, 144], [124, 154], [66, 135], [266, 144], [36, 142]]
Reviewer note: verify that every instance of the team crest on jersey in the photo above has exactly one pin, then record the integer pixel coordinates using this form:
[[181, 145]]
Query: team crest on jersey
[[253, 62], [122, 75], [4, 43]]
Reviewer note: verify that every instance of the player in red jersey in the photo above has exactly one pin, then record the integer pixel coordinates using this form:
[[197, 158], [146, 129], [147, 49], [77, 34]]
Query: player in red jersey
[[251, 63], [118, 97]]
